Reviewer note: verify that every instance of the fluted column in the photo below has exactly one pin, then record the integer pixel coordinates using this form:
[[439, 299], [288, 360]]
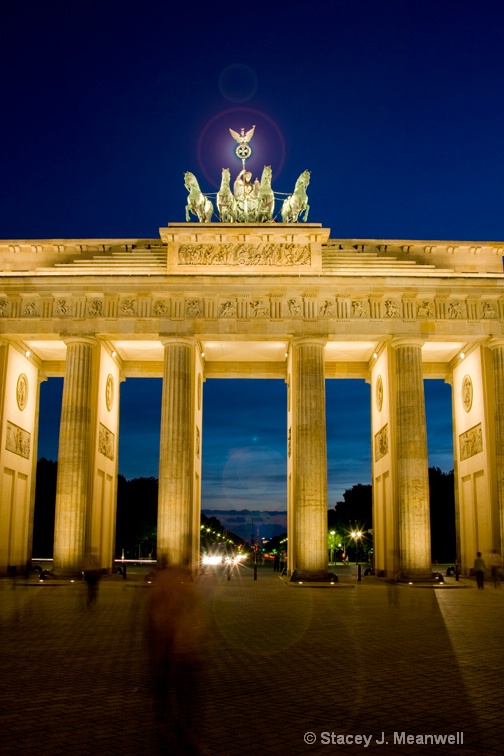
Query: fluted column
[[310, 462], [174, 507], [73, 457], [497, 347], [412, 461]]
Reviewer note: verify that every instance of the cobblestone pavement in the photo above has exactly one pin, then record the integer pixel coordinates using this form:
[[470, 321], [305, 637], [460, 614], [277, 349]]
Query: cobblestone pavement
[[360, 659]]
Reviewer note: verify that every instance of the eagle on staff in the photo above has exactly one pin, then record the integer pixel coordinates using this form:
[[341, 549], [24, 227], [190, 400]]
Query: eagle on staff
[[243, 151]]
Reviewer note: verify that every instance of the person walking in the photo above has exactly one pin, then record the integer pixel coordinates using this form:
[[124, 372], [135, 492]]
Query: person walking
[[496, 568], [92, 575], [276, 562], [479, 570]]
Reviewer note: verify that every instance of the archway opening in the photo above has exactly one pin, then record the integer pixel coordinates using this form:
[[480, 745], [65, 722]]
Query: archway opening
[[438, 410], [348, 469], [51, 392], [244, 474], [137, 486]]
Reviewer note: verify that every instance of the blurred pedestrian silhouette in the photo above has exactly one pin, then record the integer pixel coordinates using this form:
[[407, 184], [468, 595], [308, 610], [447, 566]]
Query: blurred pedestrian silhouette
[[479, 570], [176, 624], [496, 568], [92, 575]]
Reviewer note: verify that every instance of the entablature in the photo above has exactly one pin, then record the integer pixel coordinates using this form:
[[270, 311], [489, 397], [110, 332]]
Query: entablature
[[236, 249]]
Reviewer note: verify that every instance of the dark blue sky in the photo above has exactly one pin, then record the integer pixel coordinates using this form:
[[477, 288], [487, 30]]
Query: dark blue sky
[[397, 108]]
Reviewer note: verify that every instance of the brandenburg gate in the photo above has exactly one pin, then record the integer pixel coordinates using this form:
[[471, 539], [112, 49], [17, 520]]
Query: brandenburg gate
[[248, 297], [244, 300]]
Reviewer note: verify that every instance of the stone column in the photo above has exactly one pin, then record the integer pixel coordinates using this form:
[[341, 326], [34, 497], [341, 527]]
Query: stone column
[[310, 458], [497, 347], [175, 458], [412, 461], [72, 486]]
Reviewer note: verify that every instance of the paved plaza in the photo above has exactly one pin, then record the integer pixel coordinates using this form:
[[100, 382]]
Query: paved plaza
[[279, 665]]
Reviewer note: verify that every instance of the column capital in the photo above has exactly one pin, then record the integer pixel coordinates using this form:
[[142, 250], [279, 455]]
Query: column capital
[[401, 341], [76, 339], [305, 340], [182, 340], [495, 342]]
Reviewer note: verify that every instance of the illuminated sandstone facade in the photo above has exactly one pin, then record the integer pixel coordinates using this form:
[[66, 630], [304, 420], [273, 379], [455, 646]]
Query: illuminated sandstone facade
[[245, 301]]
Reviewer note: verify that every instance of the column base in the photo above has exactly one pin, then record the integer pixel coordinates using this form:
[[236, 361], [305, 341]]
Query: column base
[[417, 576], [63, 574], [313, 576]]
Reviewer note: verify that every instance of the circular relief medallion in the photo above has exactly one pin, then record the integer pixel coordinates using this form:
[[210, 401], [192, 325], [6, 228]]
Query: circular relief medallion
[[467, 392], [22, 391], [109, 392], [379, 393]]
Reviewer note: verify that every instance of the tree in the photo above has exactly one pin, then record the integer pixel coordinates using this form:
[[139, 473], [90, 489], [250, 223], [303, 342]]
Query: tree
[[136, 525], [355, 511]]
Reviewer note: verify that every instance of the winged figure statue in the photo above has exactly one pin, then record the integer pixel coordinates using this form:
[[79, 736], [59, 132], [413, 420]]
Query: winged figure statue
[[242, 138]]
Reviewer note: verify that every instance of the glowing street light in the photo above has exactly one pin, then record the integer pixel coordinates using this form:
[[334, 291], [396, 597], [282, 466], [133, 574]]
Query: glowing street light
[[356, 535]]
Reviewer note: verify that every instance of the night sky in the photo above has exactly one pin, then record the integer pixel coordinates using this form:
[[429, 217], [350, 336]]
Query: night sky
[[396, 107]]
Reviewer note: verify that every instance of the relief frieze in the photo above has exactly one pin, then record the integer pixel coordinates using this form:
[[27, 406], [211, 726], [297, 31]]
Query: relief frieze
[[30, 309], [381, 443], [454, 310], [227, 309], [294, 307], [128, 307], [245, 254], [62, 308], [273, 306], [471, 442], [327, 309], [161, 307], [259, 310], [95, 308], [359, 308], [425, 309], [193, 308], [489, 310], [391, 309], [106, 442], [17, 440]]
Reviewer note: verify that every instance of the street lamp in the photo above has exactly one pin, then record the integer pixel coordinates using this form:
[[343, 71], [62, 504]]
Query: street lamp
[[356, 535], [332, 543]]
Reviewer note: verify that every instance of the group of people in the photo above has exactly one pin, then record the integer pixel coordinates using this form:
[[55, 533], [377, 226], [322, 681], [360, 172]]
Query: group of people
[[479, 569], [279, 561]]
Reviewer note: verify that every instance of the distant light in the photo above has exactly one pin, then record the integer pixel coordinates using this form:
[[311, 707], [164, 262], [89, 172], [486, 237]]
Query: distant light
[[212, 559], [410, 583], [300, 582], [202, 354], [375, 355], [462, 355], [27, 353], [286, 354], [114, 353]]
